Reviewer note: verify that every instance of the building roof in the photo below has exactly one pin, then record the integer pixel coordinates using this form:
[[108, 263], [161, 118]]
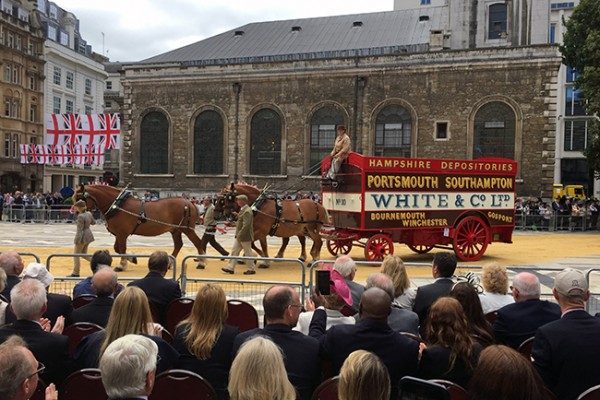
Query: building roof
[[388, 32]]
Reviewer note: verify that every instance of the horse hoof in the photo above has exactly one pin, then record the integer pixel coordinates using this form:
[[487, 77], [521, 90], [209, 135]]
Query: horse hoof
[[303, 259], [200, 266], [134, 260], [264, 266]]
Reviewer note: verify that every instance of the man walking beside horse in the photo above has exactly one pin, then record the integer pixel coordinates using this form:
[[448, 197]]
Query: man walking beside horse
[[244, 236], [210, 231]]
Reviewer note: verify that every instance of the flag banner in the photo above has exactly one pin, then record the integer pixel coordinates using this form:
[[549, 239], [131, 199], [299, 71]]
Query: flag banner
[[75, 139]]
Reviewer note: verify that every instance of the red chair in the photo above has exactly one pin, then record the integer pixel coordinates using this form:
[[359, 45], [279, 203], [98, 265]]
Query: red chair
[[491, 317], [592, 393], [242, 314], [327, 390], [77, 332], [84, 384], [525, 348], [457, 392], [178, 310], [83, 300], [178, 384]]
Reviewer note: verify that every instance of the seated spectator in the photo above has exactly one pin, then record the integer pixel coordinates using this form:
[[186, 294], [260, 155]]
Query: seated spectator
[[130, 314], [443, 267], [450, 352], [128, 367], [50, 348], [363, 377], [504, 374], [12, 264], [400, 319], [301, 353], [347, 268], [100, 258], [565, 351], [397, 352], [494, 279], [203, 340], [404, 295], [3, 304], [160, 291], [334, 302], [19, 372], [519, 321], [258, 373], [479, 327], [104, 284]]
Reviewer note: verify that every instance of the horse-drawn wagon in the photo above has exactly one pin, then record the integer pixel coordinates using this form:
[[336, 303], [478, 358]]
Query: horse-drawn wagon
[[462, 205]]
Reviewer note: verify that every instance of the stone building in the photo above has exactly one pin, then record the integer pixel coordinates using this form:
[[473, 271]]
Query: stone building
[[21, 90], [261, 102]]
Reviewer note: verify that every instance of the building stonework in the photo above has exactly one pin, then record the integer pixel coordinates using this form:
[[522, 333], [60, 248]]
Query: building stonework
[[447, 86]]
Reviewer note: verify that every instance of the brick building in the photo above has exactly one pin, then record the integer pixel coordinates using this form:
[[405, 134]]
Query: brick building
[[261, 102]]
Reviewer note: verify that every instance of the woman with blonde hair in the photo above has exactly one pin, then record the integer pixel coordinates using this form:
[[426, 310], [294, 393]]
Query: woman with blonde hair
[[363, 377], [258, 373], [494, 279], [83, 235], [203, 340], [450, 353], [393, 266], [130, 314]]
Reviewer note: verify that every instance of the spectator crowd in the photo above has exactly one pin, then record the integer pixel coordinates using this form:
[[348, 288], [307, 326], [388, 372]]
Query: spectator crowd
[[500, 341]]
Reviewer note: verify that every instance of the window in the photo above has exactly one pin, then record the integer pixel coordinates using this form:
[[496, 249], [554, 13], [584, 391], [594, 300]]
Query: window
[[552, 38], [393, 131], [56, 105], [12, 107], [69, 80], [265, 143], [425, 2], [576, 135], [33, 113], [69, 106], [7, 106], [88, 109], [16, 74], [108, 85], [18, 42], [88, 86], [15, 145], [7, 73], [7, 145], [208, 143], [575, 171], [52, 33], [323, 127], [57, 76], [562, 6], [33, 140], [497, 21], [495, 125], [154, 144], [441, 130], [10, 40], [64, 38], [53, 11], [32, 82]]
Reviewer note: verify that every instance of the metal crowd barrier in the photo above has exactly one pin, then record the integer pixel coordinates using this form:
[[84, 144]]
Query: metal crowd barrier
[[35, 256], [556, 222], [29, 213]]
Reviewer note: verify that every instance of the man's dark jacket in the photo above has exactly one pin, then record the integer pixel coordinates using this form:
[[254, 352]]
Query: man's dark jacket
[[96, 312], [160, 291], [428, 294]]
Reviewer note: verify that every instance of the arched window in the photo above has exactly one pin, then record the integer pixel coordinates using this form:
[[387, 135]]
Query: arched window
[[498, 21], [323, 126], [154, 144], [208, 143], [393, 131], [265, 143], [495, 125]]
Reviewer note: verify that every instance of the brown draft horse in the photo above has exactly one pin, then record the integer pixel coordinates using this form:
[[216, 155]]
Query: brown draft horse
[[298, 218], [129, 215]]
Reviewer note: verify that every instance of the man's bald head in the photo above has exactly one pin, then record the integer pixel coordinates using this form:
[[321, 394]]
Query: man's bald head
[[104, 281], [276, 301], [11, 263], [526, 286], [375, 303]]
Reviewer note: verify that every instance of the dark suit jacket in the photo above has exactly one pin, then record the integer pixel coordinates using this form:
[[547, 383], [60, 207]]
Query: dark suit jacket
[[58, 304], [300, 355], [435, 364], [96, 312], [428, 294], [48, 348], [11, 281], [356, 290], [517, 322], [214, 369], [565, 353], [398, 353], [160, 292]]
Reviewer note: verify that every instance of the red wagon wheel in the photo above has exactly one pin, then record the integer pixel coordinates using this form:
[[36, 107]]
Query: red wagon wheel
[[340, 246], [378, 246], [420, 248], [471, 238]]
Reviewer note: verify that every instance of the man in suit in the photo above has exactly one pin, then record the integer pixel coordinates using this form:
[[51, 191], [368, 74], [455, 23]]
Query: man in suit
[[49, 348], [371, 333], [128, 367], [210, 230], [400, 320], [12, 264], [301, 353], [346, 266], [444, 265], [518, 321], [99, 258], [565, 351], [104, 283], [244, 236], [160, 291]]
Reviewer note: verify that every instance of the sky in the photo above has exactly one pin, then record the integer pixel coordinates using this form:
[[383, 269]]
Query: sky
[[138, 29]]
